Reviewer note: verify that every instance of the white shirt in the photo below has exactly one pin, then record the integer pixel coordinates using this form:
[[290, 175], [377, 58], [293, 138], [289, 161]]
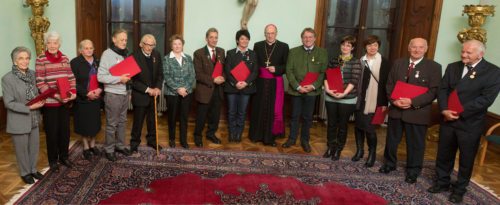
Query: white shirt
[[467, 70], [172, 55]]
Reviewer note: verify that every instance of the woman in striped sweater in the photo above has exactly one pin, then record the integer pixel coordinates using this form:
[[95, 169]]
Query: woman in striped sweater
[[49, 67]]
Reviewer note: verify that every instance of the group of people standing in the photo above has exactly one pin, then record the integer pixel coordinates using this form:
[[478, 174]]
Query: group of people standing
[[368, 83]]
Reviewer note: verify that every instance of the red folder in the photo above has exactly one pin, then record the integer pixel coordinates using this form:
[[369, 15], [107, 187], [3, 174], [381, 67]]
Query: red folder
[[309, 78], [334, 79], [217, 70], [63, 86], [127, 66], [240, 72], [405, 90], [454, 103], [48, 93], [93, 84], [379, 116]]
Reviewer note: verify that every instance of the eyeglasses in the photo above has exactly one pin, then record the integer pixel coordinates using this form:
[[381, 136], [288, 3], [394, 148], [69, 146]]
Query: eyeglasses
[[150, 45]]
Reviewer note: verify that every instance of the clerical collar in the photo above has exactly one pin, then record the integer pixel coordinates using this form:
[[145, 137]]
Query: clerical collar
[[145, 54], [172, 55], [238, 49], [270, 44], [417, 61]]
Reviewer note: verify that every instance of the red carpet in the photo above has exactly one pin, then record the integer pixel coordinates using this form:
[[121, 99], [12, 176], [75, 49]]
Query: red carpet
[[245, 189]]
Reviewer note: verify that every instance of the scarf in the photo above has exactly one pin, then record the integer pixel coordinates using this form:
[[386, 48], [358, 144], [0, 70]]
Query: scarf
[[372, 90], [57, 58], [29, 79], [122, 52]]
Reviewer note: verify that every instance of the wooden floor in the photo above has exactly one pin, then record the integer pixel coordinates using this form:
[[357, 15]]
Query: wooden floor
[[10, 182]]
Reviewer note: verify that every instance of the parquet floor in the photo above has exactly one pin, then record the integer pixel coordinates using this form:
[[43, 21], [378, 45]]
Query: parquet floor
[[10, 182]]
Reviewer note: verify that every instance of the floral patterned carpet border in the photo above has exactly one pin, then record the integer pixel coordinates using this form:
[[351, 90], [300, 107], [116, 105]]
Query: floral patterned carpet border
[[90, 182]]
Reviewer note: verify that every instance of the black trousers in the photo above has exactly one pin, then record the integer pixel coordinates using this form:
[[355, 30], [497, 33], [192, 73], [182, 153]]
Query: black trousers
[[178, 105], [56, 126], [209, 113], [451, 140], [338, 118], [141, 113], [302, 107], [415, 145]]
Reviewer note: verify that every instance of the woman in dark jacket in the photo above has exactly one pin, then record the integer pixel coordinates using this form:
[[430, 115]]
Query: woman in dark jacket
[[371, 94], [239, 91], [87, 108]]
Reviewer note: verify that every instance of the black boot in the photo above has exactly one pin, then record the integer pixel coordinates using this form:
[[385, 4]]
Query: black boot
[[341, 139], [329, 152], [372, 149], [360, 141], [336, 154]]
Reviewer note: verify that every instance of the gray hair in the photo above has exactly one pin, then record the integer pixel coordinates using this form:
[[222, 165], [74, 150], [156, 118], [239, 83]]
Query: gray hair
[[479, 45], [210, 30], [83, 42], [52, 35], [148, 36], [17, 51]]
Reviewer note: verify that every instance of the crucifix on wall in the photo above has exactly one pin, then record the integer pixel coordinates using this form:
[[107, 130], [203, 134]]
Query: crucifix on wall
[[248, 10]]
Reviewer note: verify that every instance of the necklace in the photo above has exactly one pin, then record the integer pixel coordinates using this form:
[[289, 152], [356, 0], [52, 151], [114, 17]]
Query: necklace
[[269, 56]]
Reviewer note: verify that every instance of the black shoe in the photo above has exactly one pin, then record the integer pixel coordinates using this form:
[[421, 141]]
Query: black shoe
[[185, 145], [28, 179], [411, 179], [198, 144], [386, 169], [87, 154], [37, 175], [336, 155], [328, 153], [306, 147], [171, 144], [288, 144], [154, 146], [134, 148], [214, 139], [124, 151], [54, 167], [111, 156], [66, 163], [438, 189], [95, 151], [272, 144], [455, 198]]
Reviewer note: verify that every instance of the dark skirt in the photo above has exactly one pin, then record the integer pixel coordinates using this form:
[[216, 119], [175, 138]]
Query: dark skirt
[[87, 117], [364, 122]]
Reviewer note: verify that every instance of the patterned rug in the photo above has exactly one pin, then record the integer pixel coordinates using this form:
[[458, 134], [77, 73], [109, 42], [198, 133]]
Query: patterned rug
[[96, 181]]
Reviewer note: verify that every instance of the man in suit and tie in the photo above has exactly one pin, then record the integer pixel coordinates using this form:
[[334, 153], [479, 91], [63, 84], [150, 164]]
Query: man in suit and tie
[[208, 92], [477, 83], [410, 114], [145, 86]]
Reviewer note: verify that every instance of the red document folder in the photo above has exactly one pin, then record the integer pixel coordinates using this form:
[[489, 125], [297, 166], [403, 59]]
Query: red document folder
[[309, 78], [334, 79], [48, 93], [217, 70], [93, 84], [405, 90], [63, 86], [454, 103], [127, 66], [240, 72], [379, 116]]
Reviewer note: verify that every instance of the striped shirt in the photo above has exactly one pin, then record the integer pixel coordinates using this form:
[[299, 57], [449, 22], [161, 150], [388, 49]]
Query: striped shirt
[[47, 73]]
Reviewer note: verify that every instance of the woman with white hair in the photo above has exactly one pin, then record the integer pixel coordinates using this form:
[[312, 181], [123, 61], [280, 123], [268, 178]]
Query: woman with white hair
[[87, 107], [18, 87], [50, 66]]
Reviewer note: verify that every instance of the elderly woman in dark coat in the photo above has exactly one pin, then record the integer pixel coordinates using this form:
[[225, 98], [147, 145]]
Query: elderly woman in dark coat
[[19, 87]]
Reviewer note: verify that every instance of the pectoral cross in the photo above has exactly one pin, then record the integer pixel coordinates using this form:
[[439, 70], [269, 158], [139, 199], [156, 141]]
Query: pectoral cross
[[267, 63]]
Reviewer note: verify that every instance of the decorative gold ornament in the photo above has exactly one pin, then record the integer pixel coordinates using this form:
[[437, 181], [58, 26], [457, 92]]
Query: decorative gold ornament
[[477, 16], [38, 23]]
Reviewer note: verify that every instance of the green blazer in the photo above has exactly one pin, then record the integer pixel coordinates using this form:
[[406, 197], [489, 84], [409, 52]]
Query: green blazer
[[300, 62]]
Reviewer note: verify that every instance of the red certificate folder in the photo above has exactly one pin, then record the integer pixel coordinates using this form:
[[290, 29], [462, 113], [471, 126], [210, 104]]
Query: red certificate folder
[[93, 84], [63, 86], [48, 93], [379, 116], [217, 70], [127, 66], [309, 78], [240, 72], [334, 79], [405, 90], [454, 103]]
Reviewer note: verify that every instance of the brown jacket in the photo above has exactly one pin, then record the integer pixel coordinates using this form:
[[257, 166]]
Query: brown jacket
[[204, 68], [429, 76]]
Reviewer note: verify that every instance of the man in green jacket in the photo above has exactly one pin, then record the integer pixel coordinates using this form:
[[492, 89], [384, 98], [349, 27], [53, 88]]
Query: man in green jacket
[[305, 69]]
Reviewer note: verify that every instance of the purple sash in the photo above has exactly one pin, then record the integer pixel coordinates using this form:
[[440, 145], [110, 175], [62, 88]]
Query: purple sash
[[278, 124]]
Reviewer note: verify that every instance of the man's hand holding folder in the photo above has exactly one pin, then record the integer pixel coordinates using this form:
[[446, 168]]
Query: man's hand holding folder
[[404, 92], [454, 107]]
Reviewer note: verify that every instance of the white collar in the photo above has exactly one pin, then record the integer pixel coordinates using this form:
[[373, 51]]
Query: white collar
[[238, 49], [417, 61], [172, 55]]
